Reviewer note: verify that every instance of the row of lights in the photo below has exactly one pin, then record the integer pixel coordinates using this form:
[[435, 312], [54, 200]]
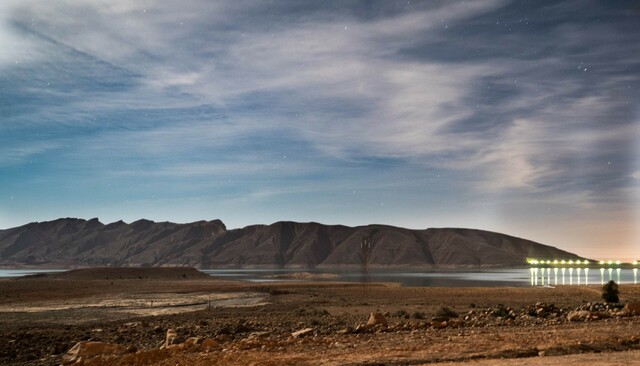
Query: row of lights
[[555, 262], [576, 262]]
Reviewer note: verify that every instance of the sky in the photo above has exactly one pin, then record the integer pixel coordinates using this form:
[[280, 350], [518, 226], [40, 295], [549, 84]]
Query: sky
[[521, 117]]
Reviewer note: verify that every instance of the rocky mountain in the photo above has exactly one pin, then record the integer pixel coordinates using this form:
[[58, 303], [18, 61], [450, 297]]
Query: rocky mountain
[[208, 244]]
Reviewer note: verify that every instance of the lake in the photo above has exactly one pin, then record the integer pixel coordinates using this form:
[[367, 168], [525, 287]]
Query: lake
[[515, 277], [406, 277]]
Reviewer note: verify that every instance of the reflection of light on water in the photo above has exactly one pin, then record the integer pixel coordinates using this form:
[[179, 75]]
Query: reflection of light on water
[[536, 275], [586, 276], [570, 276], [533, 276], [610, 272]]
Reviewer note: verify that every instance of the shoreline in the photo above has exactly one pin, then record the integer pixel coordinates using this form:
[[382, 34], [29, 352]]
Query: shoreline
[[257, 322]]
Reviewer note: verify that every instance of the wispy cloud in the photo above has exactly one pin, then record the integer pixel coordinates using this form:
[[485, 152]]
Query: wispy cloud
[[518, 102]]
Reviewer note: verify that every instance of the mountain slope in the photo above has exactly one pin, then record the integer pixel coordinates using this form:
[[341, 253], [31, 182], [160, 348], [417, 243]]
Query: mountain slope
[[208, 244]]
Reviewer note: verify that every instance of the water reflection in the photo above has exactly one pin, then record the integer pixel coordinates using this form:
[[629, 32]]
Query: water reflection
[[579, 276], [581, 269]]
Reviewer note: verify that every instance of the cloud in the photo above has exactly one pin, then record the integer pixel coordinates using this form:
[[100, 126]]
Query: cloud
[[508, 99]]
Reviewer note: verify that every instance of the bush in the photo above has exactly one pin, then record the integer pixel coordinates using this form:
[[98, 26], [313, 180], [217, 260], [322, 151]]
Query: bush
[[610, 292], [446, 313], [401, 314]]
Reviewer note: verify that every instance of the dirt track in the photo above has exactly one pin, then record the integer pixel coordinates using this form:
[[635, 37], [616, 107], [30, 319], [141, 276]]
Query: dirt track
[[63, 311]]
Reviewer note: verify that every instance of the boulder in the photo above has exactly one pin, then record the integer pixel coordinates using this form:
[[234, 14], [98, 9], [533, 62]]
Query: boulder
[[377, 319], [85, 350]]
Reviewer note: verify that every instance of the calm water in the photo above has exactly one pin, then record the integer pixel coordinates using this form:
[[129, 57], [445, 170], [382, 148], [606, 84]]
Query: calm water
[[410, 278], [25, 272], [520, 277]]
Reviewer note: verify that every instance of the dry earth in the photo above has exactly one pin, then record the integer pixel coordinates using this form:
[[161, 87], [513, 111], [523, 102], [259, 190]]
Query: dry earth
[[43, 317]]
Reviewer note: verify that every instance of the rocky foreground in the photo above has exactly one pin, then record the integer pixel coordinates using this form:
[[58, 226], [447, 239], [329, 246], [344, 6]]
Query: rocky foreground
[[311, 323], [318, 339]]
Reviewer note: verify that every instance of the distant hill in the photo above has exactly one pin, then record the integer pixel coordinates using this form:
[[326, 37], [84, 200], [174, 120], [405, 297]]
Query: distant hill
[[208, 244]]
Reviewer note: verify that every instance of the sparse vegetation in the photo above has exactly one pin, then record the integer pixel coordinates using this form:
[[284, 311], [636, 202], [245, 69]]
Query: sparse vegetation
[[401, 314], [446, 312], [610, 292]]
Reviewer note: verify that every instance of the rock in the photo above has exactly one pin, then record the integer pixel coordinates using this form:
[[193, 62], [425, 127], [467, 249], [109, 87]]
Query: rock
[[84, 350], [256, 335], [541, 312], [439, 325], [376, 319], [209, 343], [170, 338], [193, 341], [440, 318], [150, 357], [302, 333], [363, 328], [578, 315], [632, 308]]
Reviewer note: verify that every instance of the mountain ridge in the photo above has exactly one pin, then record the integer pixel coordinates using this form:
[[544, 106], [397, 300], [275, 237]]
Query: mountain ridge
[[72, 242]]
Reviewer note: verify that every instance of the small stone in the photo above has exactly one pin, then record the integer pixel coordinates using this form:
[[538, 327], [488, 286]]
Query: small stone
[[301, 333], [377, 318], [193, 341], [577, 315]]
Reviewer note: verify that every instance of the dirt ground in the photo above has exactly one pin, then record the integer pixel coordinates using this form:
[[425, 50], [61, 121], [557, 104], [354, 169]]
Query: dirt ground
[[43, 317]]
